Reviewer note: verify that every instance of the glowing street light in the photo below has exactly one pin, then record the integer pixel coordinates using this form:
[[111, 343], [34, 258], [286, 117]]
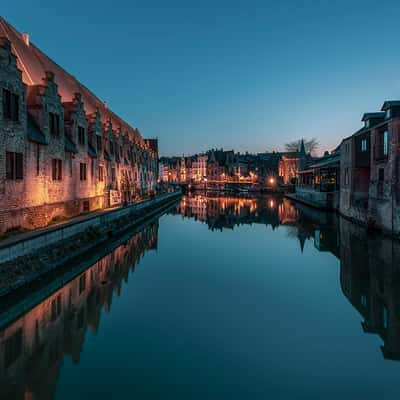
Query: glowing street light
[[271, 180]]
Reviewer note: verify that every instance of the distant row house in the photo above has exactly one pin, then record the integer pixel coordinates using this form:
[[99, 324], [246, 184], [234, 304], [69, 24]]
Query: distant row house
[[63, 151], [218, 165]]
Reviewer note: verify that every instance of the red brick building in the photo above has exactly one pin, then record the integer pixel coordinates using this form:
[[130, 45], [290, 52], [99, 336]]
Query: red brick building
[[62, 150], [370, 170]]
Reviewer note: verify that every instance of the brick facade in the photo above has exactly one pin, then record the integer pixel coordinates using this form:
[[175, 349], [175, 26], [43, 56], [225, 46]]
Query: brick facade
[[62, 151], [370, 171]]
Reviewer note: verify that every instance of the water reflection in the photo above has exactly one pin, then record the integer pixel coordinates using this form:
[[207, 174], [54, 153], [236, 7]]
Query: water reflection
[[369, 265], [228, 212], [33, 347]]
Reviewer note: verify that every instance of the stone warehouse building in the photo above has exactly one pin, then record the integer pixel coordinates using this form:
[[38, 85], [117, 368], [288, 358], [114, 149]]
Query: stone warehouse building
[[370, 173], [62, 151]]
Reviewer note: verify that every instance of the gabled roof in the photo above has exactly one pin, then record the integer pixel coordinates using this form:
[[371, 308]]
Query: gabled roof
[[373, 115], [330, 159], [34, 63], [390, 103], [34, 132]]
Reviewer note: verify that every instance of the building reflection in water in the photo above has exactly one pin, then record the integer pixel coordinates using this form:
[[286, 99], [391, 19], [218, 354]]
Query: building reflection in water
[[33, 347], [369, 265], [228, 212]]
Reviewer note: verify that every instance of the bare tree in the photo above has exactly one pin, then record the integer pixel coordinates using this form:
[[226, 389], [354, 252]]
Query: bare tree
[[310, 145]]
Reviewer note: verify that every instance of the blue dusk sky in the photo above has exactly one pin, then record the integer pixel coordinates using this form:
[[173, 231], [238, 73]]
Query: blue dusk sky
[[248, 75]]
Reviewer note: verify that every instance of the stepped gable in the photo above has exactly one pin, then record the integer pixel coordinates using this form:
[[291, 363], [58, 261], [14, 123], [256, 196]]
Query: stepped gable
[[34, 63]]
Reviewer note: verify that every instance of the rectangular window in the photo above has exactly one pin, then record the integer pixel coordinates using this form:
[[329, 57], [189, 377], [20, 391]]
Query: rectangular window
[[113, 174], [56, 169], [82, 171], [10, 105], [99, 142], [54, 123], [364, 145], [385, 143], [81, 135], [381, 175], [14, 166], [101, 173]]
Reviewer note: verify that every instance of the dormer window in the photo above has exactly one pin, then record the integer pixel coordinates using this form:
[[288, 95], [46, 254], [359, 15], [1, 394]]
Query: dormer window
[[367, 123], [388, 113], [81, 135]]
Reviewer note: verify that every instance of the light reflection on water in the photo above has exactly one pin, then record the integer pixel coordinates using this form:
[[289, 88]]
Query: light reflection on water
[[234, 298]]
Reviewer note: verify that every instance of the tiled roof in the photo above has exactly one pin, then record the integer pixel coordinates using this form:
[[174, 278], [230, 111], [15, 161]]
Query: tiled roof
[[34, 63]]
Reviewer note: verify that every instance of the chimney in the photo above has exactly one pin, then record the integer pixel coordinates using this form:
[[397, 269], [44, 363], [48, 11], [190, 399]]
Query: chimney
[[25, 38]]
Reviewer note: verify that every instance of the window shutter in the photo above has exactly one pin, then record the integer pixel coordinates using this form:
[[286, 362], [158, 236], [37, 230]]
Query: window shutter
[[19, 170]]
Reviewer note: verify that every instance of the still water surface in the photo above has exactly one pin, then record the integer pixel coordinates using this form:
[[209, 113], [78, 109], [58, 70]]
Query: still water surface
[[222, 298]]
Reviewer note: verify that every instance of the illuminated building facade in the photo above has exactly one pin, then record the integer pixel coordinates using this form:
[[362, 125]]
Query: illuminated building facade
[[370, 174], [291, 163], [63, 152]]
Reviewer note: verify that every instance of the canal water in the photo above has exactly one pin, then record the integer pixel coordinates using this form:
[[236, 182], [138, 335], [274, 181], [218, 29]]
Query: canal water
[[221, 298]]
